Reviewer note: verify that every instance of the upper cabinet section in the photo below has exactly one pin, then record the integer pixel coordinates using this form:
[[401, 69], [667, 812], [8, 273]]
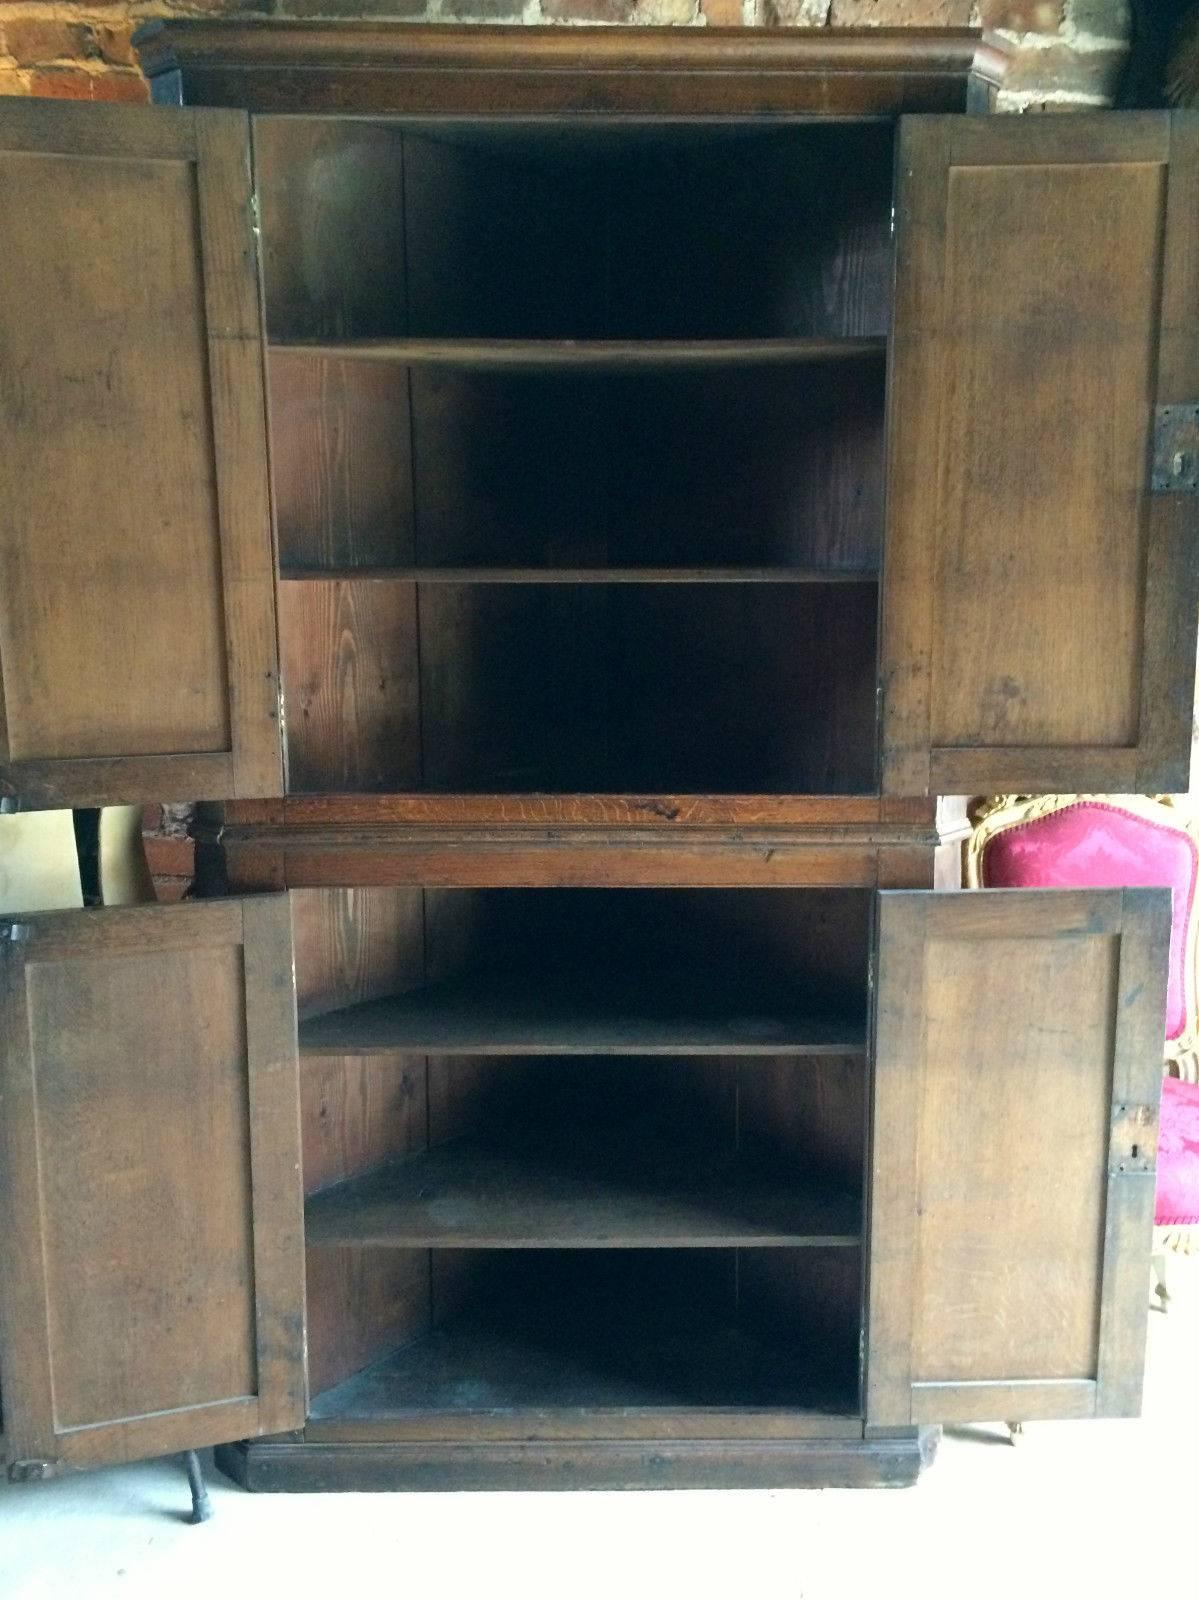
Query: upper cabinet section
[[1040, 572], [577, 452], [137, 634]]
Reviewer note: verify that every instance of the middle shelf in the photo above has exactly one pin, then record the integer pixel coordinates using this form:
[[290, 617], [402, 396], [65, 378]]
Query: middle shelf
[[572, 1195], [486, 1013]]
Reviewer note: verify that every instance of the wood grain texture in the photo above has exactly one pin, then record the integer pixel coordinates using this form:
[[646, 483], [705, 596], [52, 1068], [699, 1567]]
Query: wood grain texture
[[1028, 603], [134, 380], [361, 1305], [986, 1275], [356, 944], [476, 1196], [860, 818], [133, 1126], [301, 66], [658, 1463], [340, 463], [350, 665], [355, 1112]]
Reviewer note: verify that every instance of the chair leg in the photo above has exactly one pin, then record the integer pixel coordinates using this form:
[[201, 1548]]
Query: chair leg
[[1015, 1432], [1157, 1264], [201, 1504]]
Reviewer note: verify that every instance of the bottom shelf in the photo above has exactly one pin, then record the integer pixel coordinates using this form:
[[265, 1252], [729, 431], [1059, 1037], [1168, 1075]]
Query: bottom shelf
[[462, 1370], [547, 1342]]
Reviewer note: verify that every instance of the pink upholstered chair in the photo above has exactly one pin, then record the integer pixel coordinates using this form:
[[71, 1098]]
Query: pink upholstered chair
[[1119, 841]]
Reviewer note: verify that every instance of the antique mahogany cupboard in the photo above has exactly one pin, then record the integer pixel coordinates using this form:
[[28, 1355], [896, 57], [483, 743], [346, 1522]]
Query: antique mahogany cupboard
[[577, 497]]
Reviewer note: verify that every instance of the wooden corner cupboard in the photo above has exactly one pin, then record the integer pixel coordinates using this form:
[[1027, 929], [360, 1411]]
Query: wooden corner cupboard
[[576, 498]]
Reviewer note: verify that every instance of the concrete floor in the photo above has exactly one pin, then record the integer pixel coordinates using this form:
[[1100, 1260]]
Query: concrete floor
[[1077, 1509]]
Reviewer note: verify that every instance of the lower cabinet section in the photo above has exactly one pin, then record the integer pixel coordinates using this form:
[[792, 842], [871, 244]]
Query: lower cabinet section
[[581, 1188]]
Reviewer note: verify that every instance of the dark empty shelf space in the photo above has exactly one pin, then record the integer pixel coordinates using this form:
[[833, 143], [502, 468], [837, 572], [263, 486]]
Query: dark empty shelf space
[[551, 1014], [542, 688], [541, 1369], [423, 469], [587, 355], [553, 1331], [577, 1194], [428, 233]]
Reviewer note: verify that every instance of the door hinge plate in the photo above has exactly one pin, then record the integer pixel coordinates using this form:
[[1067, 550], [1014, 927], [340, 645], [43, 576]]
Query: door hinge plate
[[1176, 450]]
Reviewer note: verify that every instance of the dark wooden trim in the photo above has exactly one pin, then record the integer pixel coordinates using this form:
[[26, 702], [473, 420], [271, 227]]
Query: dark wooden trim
[[842, 815], [375, 68], [892, 1461], [562, 841]]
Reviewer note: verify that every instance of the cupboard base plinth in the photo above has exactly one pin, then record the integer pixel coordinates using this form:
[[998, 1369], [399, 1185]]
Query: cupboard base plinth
[[291, 1466]]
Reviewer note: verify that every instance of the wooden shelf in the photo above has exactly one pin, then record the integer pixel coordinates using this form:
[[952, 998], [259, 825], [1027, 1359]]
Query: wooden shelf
[[534, 355], [561, 1196], [587, 1366], [378, 574], [534, 1014]]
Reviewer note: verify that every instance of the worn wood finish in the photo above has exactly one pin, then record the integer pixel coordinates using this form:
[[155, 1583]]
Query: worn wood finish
[[350, 667], [164, 410], [862, 819], [588, 355], [474, 1016], [474, 1196], [362, 1304], [583, 1464], [985, 1301], [276, 66], [1036, 594], [159, 1043], [341, 463]]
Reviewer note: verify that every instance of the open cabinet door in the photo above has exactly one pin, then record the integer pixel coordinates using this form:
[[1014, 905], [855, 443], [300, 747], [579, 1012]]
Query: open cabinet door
[[151, 1212], [138, 656], [1017, 1070], [1039, 571]]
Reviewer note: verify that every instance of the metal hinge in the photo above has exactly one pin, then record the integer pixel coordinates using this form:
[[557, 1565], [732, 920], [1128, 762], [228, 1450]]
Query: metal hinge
[[255, 215], [1176, 450]]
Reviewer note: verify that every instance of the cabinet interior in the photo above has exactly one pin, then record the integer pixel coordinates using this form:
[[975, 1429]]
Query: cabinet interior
[[582, 1149], [576, 444]]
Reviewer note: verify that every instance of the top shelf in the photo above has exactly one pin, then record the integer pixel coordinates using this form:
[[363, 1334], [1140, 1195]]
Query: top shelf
[[591, 355]]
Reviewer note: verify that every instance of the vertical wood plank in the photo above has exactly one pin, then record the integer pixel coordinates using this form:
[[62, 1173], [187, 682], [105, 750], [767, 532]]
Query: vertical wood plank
[[1136, 1090], [277, 1182], [914, 428], [26, 1381], [899, 1025], [235, 353]]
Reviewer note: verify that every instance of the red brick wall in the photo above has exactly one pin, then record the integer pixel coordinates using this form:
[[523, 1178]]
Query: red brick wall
[[1070, 52]]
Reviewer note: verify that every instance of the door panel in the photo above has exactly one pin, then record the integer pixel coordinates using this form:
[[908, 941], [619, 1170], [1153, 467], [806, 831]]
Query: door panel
[[1018, 1058], [1038, 594], [137, 633], [151, 1222]]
